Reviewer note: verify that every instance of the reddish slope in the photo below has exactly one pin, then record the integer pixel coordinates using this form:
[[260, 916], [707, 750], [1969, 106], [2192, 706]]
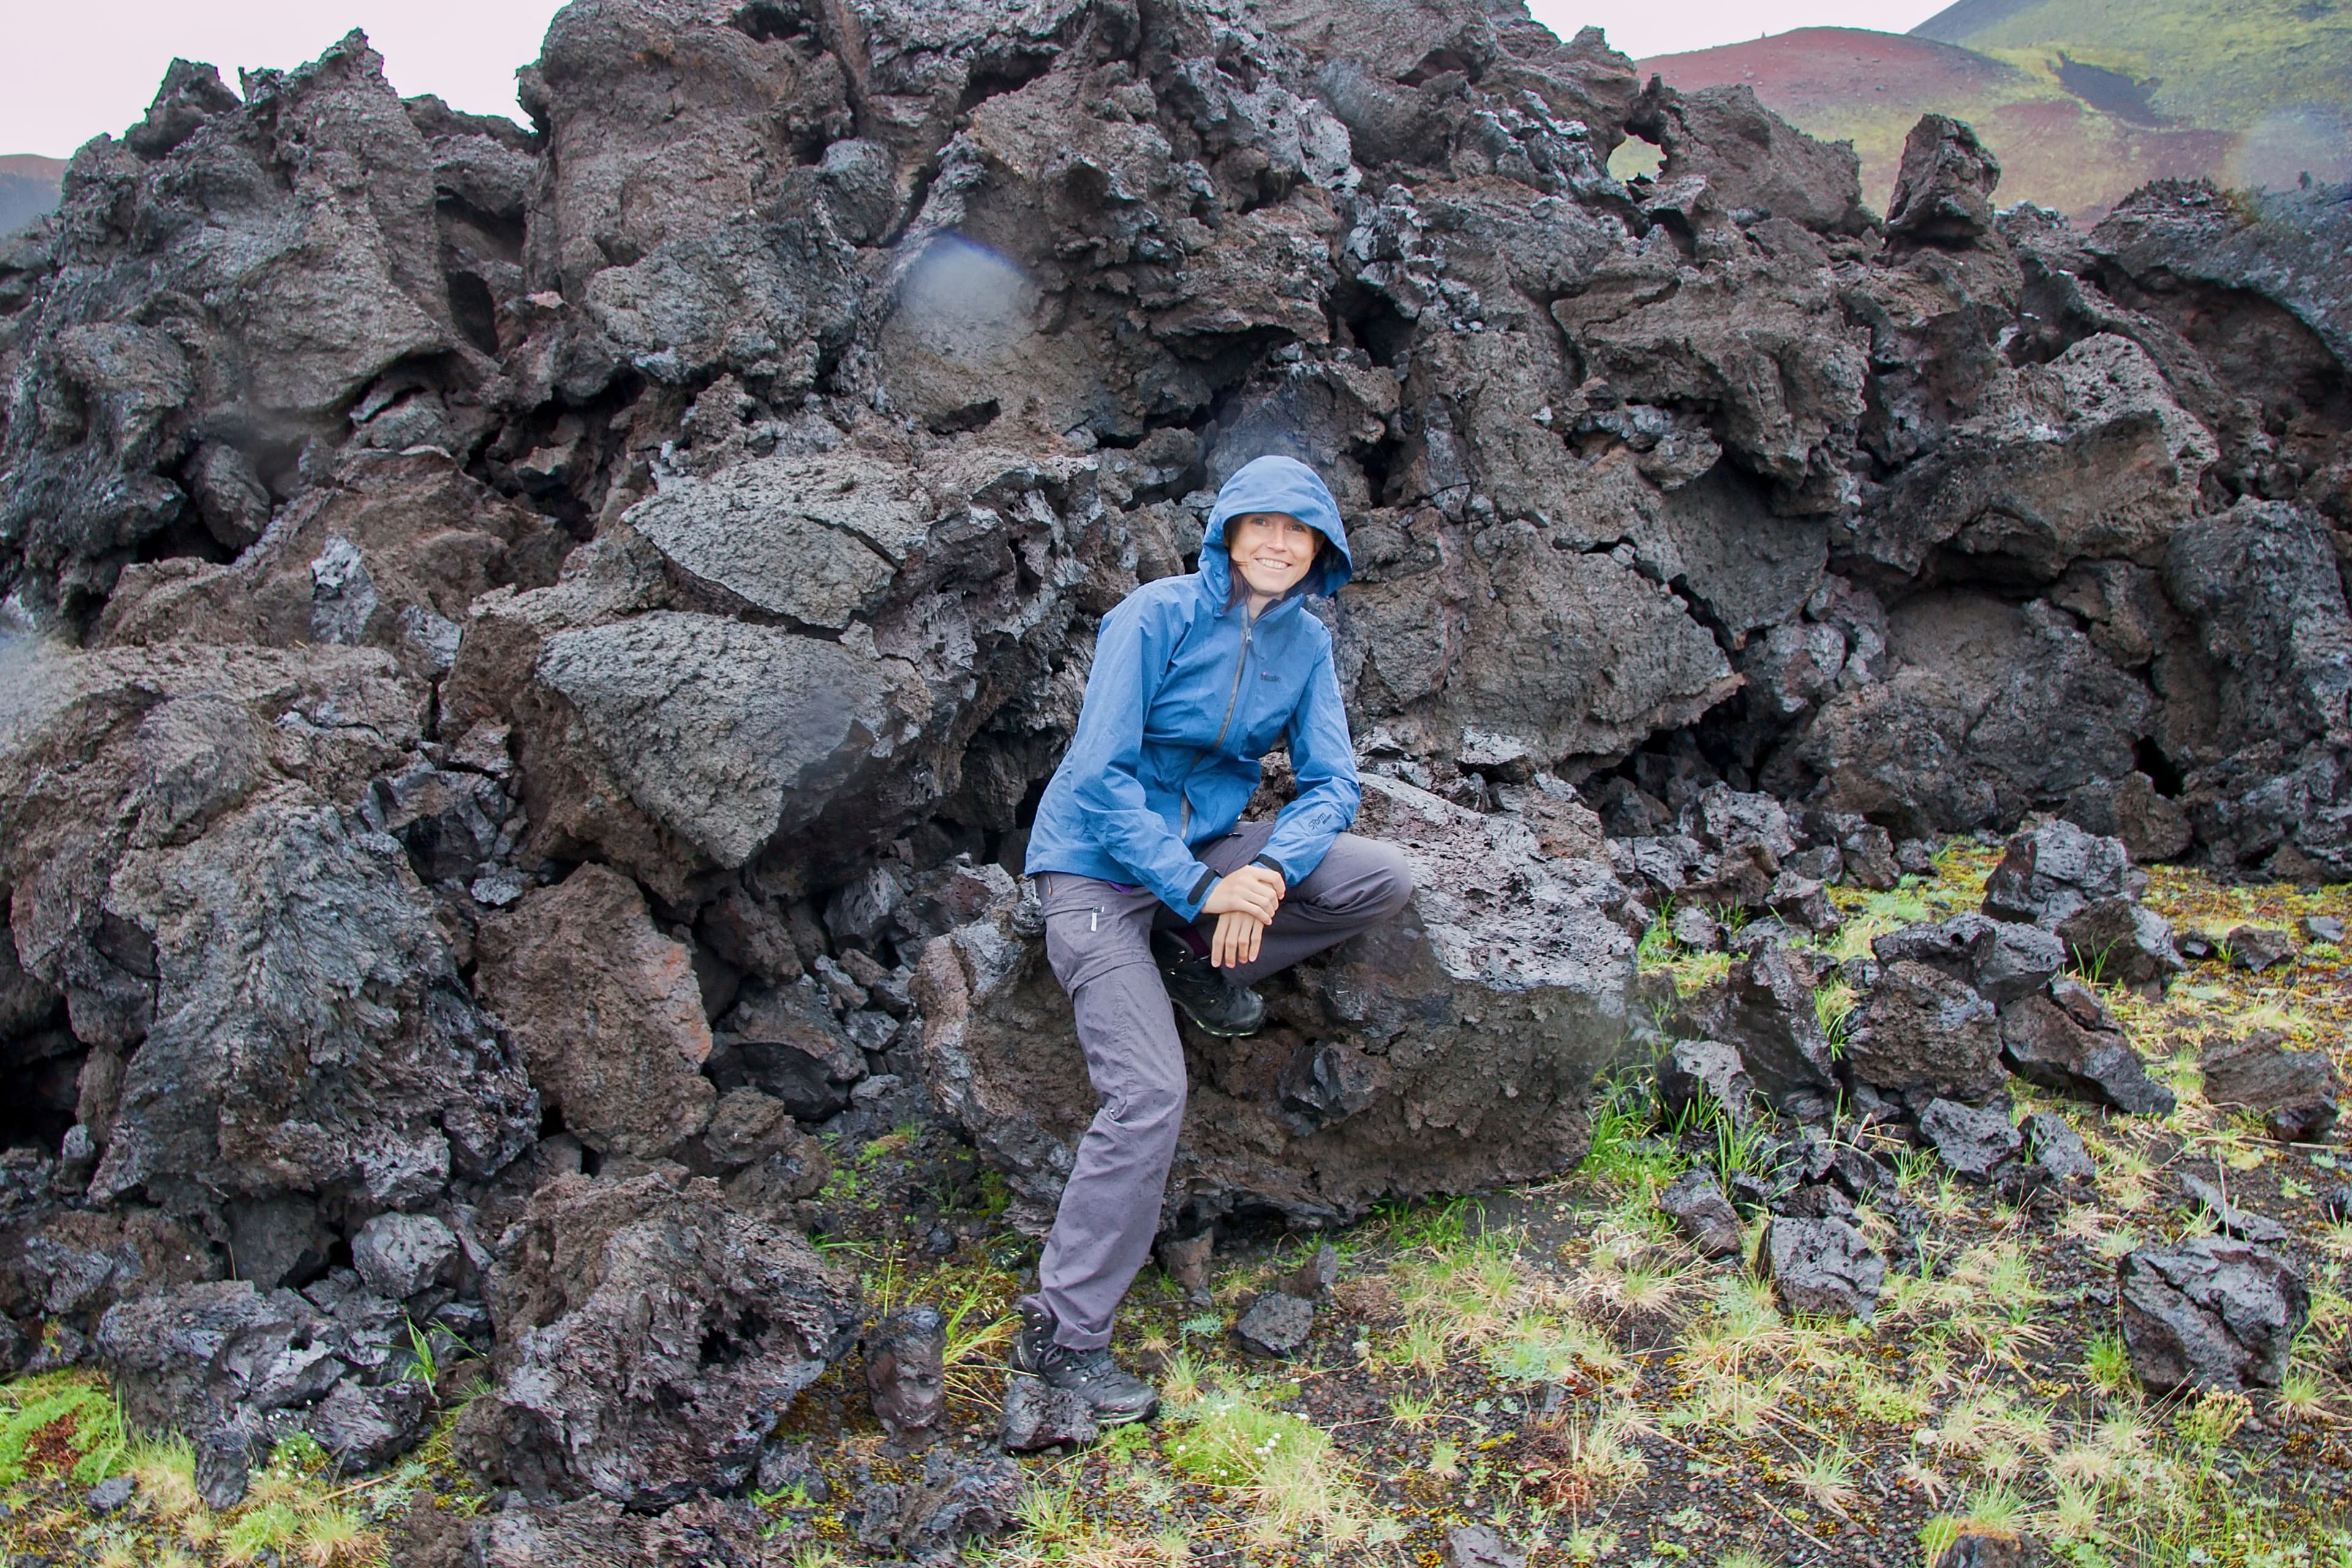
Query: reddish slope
[[1870, 88]]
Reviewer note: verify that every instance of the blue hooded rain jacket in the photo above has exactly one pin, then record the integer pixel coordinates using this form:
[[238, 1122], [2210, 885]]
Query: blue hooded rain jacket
[[1186, 694]]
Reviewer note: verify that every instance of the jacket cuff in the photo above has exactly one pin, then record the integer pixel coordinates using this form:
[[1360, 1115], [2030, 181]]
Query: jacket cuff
[[1201, 889], [1273, 865]]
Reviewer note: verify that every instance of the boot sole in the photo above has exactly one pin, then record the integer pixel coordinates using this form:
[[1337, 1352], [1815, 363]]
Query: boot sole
[[1221, 1032], [1127, 1417]]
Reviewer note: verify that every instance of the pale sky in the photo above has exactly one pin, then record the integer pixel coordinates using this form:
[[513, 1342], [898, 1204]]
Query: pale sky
[[76, 68]]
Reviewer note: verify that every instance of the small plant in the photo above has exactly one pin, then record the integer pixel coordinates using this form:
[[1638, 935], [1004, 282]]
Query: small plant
[[1833, 1009], [1411, 1412], [2108, 1363], [2214, 1420], [1445, 1459], [1827, 1479]]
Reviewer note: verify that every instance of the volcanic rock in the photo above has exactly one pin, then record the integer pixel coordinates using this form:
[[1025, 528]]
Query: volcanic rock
[[2228, 1217], [1479, 1032], [2056, 1149], [397, 1255], [1698, 1076], [1695, 1202], [2209, 1313], [1974, 1143], [1943, 194], [2003, 960], [2122, 942], [2062, 1038], [1921, 1031], [233, 1368], [1822, 1268], [2257, 948], [2055, 871], [1766, 1013], [606, 1010], [2294, 1092], [1276, 1324], [588, 1399], [1475, 1546], [1039, 1416]]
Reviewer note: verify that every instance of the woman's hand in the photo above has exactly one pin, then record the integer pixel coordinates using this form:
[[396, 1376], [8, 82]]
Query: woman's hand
[[1252, 890], [1244, 903], [1234, 942]]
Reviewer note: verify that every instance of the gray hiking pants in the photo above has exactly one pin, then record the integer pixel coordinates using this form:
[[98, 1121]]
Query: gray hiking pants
[[1098, 940]]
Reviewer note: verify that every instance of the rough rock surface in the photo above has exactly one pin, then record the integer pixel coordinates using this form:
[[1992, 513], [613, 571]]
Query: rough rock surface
[[606, 1011], [1039, 1416], [2209, 1314], [2062, 1038], [1695, 1202], [1822, 1268], [2294, 1092], [1766, 1013], [649, 1338], [1921, 1031], [1465, 1036], [1975, 1141]]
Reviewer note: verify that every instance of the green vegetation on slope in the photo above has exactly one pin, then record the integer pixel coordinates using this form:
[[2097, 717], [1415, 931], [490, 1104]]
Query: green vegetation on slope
[[2279, 70]]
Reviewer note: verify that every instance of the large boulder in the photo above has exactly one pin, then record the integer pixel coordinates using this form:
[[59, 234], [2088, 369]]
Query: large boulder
[[606, 1010], [649, 1338], [288, 237], [1467, 1034]]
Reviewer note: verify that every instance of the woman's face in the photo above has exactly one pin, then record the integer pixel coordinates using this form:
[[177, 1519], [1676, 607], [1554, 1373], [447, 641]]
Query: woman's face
[[1271, 551]]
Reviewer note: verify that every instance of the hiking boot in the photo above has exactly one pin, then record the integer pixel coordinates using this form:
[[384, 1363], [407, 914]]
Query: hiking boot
[[1211, 1001], [1114, 1394]]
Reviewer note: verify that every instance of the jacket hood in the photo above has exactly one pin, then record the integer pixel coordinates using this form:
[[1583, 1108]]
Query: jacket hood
[[1283, 484]]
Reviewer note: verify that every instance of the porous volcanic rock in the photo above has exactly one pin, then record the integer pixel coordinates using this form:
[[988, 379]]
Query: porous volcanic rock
[[1479, 1019], [2294, 1091], [2062, 1038], [649, 1338], [1822, 1268], [1921, 1031], [606, 1011], [2209, 1314]]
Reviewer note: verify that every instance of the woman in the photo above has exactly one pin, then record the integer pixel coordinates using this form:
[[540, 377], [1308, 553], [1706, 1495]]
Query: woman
[[1139, 838]]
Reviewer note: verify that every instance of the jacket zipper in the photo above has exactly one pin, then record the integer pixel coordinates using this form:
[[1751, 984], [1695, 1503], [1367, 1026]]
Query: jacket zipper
[[1241, 661]]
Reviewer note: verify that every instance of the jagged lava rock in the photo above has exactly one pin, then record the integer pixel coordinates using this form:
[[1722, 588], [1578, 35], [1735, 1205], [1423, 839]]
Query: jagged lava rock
[[2123, 942], [606, 1010], [1698, 1076], [1695, 1202], [1039, 1416], [2209, 1314], [649, 1338], [2063, 1037], [1822, 1268], [1975, 1141], [1766, 1013], [2003, 960], [1478, 1022], [2055, 870], [2295, 1092], [1920, 1030]]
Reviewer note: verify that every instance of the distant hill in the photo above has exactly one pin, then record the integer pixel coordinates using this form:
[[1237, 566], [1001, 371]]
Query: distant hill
[[28, 187], [2077, 123], [2278, 72]]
